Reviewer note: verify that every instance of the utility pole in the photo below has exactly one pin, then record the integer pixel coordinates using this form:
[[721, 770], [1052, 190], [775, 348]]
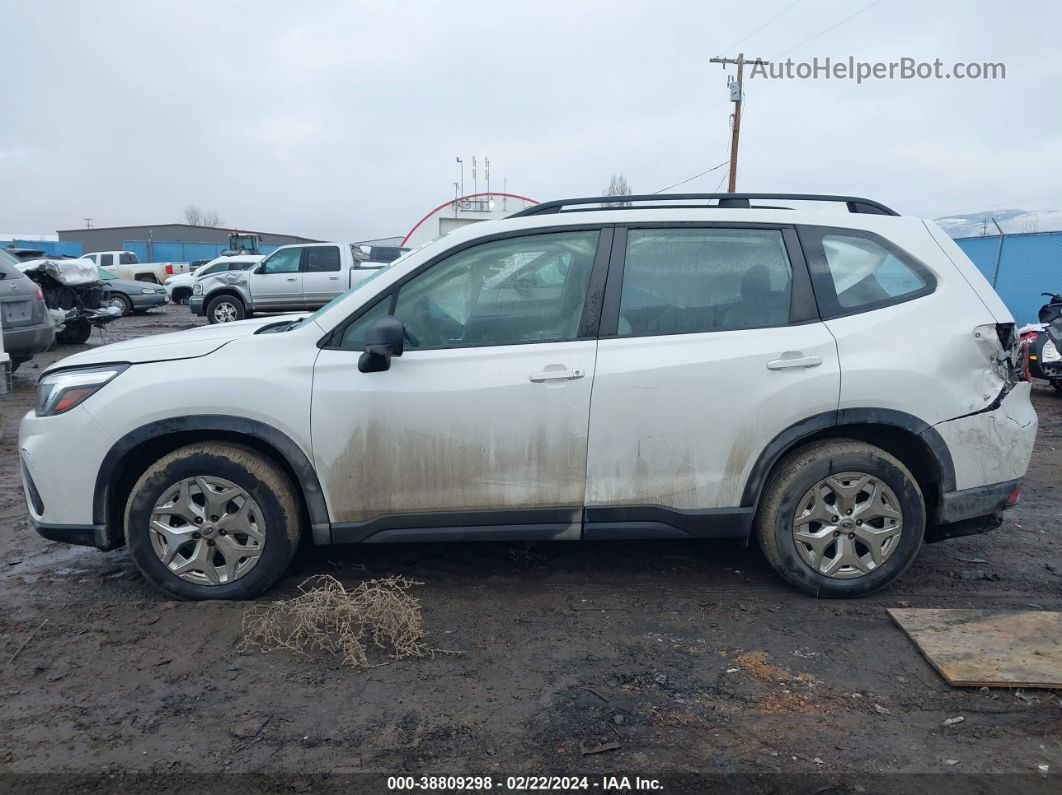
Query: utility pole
[[88, 223], [735, 97]]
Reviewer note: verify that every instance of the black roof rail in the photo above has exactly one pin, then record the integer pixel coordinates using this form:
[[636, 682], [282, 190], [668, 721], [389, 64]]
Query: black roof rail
[[855, 204]]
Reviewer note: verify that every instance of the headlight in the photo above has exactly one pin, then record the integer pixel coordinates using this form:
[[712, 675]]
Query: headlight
[[1050, 352], [59, 392], [197, 288]]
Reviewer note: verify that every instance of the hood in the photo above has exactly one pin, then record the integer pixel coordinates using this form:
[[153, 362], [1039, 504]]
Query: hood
[[162, 347]]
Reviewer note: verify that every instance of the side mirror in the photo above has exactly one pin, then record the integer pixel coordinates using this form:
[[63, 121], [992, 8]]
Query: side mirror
[[383, 339]]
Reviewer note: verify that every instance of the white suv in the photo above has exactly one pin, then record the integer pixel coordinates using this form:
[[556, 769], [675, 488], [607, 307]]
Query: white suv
[[841, 385]]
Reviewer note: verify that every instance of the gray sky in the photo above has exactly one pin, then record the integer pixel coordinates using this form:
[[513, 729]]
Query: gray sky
[[342, 119]]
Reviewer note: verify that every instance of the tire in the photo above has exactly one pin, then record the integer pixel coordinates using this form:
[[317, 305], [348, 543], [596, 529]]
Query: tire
[[787, 492], [225, 309], [75, 333], [181, 297], [122, 301], [274, 509]]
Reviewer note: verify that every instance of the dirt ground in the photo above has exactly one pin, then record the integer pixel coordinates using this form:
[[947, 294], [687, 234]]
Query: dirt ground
[[665, 658]]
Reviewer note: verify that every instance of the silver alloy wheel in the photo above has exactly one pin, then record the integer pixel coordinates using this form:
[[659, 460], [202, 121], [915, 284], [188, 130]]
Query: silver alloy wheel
[[847, 525], [119, 302], [224, 312], [207, 530]]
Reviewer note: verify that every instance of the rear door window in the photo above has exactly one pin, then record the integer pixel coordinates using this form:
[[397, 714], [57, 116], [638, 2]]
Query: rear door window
[[127, 259], [321, 259], [694, 279]]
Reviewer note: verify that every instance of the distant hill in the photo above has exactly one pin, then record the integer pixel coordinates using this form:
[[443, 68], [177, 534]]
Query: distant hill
[[1013, 221]]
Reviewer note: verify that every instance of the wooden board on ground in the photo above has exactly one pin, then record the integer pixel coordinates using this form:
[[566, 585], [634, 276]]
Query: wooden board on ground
[[993, 648]]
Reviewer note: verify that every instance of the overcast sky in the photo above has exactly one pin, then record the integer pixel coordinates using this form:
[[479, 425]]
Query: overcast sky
[[343, 120]]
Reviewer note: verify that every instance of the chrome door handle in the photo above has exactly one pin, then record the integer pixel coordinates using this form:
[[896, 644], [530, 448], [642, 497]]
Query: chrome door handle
[[556, 375], [794, 361]]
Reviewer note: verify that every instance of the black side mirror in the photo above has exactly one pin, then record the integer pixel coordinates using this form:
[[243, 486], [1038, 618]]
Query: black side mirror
[[383, 339]]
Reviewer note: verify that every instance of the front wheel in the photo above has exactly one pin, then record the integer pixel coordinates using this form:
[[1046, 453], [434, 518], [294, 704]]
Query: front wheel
[[213, 521], [122, 301], [225, 309], [841, 518], [76, 332]]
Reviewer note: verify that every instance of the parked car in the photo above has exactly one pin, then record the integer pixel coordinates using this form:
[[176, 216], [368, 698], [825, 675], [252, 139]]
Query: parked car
[[27, 326], [303, 276], [131, 297], [196, 264], [179, 287], [76, 299], [24, 254], [125, 265], [839, 386]]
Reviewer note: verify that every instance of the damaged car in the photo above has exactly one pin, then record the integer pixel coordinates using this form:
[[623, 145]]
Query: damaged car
[[77, 299], [818, 375]]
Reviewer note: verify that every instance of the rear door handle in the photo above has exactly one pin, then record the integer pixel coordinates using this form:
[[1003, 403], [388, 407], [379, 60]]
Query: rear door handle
[[794, 361], [556, 375], [292, 279]]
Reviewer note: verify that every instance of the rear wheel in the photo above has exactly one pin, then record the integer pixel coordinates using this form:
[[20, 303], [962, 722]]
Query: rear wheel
[[225, 309], [213, 521], [841, 518]]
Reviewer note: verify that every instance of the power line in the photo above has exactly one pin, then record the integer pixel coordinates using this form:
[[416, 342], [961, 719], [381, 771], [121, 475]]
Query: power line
[[827, 30], [708, 171], [761, 27]]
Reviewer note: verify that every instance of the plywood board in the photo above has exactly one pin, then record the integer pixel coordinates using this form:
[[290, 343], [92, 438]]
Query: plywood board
[[993, 648]]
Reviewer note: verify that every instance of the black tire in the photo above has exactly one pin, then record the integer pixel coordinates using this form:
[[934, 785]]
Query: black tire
[[238, 311], [181, 297], [796, 474], [263, 480], [74, 333], [123, 302]]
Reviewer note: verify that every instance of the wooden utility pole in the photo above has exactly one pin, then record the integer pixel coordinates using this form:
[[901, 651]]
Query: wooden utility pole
[[736, 96]]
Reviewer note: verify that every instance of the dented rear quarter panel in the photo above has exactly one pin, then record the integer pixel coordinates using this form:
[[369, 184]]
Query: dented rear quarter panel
[[993, 446]]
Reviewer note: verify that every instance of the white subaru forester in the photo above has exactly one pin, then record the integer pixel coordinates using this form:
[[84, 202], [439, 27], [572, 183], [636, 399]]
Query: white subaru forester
[[843, 385]]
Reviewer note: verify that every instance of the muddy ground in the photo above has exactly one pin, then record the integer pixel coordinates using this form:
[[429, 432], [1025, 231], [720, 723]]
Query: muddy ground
[[686, 657]]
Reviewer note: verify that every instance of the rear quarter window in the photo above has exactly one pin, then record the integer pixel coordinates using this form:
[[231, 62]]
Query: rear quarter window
[[857, 271]]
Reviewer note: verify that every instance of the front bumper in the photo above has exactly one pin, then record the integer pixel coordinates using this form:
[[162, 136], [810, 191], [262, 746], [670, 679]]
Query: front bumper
[[23, 342], [195, 304], [61, 456], [148, 301]]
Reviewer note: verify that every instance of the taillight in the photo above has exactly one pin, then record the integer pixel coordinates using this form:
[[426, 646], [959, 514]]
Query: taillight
[[1015, 495], [169, 268], [40, 292]]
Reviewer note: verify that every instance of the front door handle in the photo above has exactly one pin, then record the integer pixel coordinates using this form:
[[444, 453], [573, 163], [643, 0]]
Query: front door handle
[[793, 359], [333, 278], [556, 375], [293, 279]]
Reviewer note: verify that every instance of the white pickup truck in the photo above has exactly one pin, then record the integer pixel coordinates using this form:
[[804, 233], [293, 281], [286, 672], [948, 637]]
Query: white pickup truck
[[125, 265], [292, 278]]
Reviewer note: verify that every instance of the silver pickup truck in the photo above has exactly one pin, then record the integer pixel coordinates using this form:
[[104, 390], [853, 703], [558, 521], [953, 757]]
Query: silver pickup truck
[[292, 278]]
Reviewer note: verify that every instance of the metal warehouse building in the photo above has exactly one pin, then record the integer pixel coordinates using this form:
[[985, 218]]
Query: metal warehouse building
[[146, 240]]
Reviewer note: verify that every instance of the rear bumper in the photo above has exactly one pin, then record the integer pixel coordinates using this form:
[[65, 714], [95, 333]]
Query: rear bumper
[[972, 511], [24, 342]]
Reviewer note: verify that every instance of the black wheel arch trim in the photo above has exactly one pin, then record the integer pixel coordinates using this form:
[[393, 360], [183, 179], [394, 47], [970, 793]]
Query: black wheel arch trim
[[308, 483], [812, 426]]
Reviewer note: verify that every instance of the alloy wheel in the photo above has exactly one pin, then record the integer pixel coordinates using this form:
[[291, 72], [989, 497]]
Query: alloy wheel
[[225, 312], [847, 525], [207, 530]]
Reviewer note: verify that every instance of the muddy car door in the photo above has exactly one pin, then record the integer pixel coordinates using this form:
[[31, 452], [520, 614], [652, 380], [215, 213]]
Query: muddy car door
[[695, 316], [479, 428]]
